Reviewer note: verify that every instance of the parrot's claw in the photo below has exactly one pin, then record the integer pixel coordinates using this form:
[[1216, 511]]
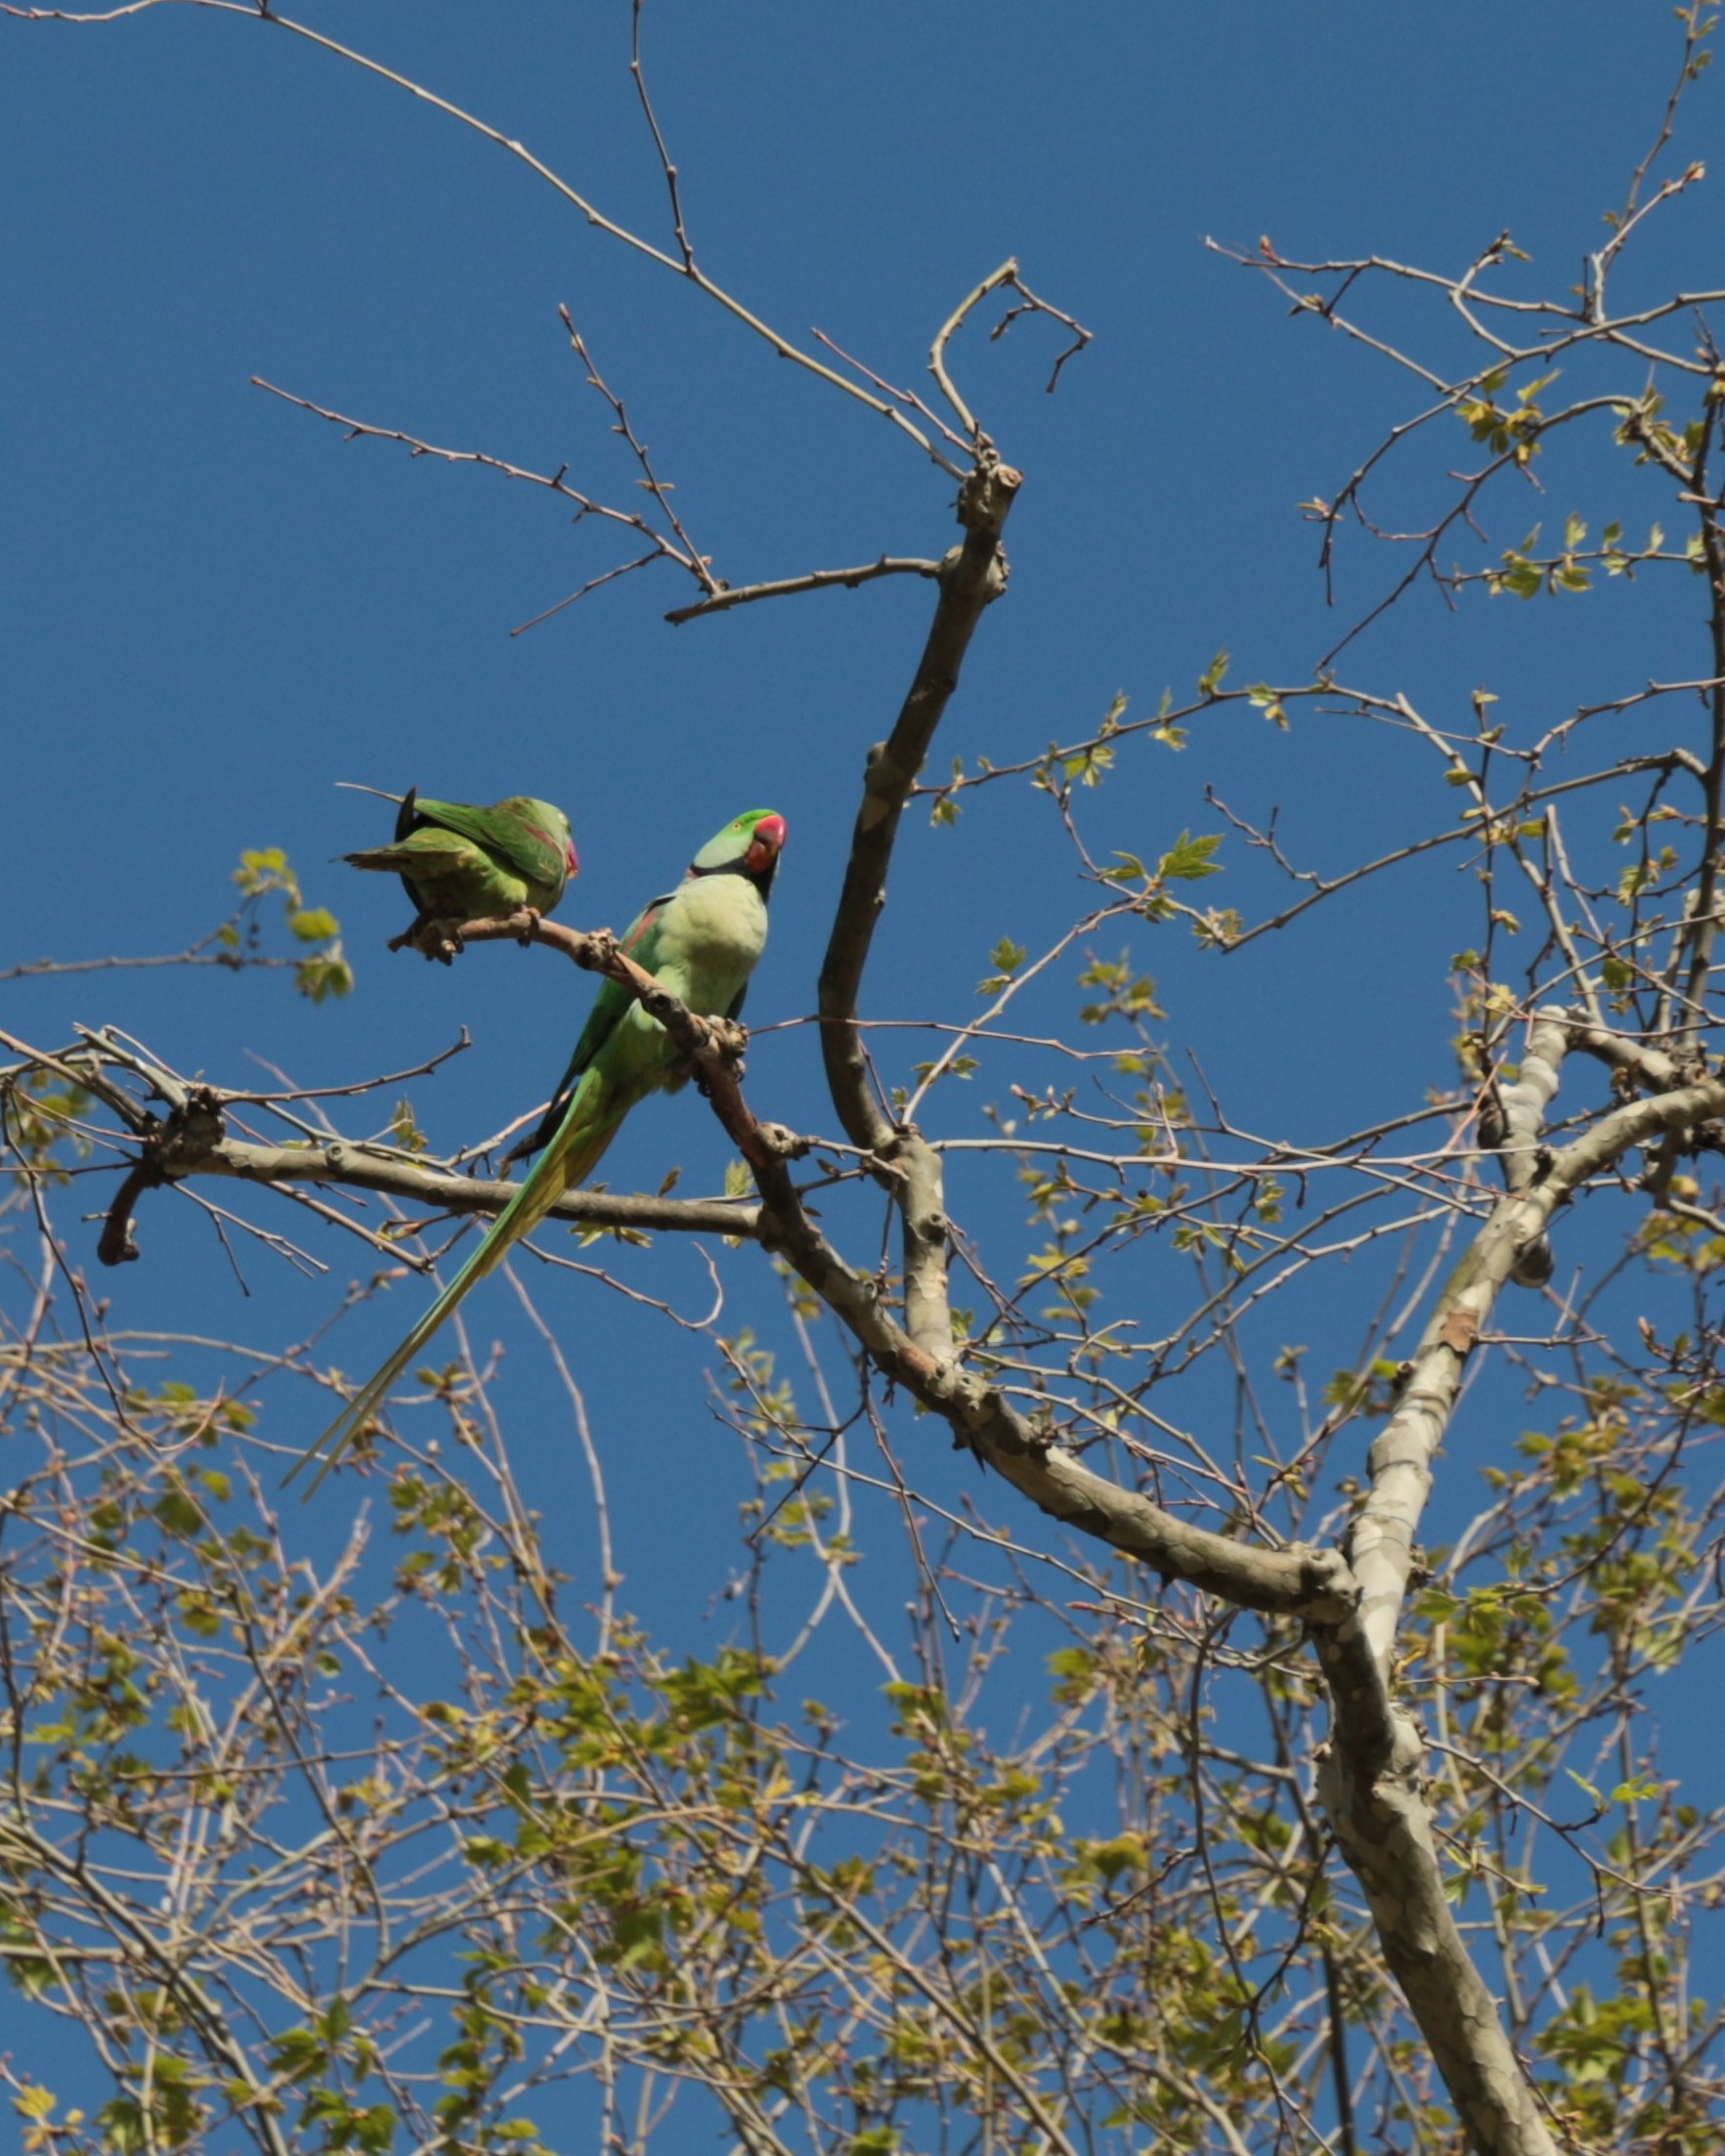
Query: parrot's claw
[[526, 923], [431, 938]]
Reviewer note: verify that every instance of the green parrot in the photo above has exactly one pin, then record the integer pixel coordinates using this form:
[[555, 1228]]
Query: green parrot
[[702, 941], [458, 862]]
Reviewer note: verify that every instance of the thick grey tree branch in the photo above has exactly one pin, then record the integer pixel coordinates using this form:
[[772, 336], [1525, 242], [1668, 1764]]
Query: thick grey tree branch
[[1648, 1066], [1385, 1832], [192, 1140], [971, 575], [1371, 1782], [1514, 1119], [356, 1168], [1382, 1539], [921, 1210]]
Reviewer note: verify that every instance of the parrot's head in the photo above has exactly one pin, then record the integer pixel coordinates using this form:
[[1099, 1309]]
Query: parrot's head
[[749, 845]]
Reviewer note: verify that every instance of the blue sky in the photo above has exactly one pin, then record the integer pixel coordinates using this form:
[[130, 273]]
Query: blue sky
[[212, 609]]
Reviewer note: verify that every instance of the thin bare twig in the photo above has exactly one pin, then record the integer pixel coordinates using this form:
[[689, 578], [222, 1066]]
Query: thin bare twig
[[1029, 304], [690, 557], [554, 482], [817, 580], [1007, 274], [671, 178]]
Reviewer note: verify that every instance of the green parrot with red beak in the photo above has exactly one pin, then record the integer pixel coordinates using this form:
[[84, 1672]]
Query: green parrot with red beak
[[459, 862], [702, 941]]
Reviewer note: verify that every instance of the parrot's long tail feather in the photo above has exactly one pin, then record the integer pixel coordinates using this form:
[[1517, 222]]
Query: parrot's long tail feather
[[590, 1125], [365, 1403]]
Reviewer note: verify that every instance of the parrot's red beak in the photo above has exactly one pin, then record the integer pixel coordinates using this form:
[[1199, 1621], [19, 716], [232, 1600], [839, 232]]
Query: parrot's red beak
[[765, 847], [572, 860]]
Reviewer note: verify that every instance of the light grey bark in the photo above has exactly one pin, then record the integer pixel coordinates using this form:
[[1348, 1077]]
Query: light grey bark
[[1371, 1783]]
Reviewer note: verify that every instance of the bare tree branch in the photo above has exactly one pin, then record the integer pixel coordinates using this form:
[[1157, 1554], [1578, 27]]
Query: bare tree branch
[[971, 575], [817, 580]]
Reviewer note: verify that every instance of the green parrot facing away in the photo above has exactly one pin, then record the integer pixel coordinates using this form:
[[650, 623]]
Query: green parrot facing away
[[702, 941], [458, 862]]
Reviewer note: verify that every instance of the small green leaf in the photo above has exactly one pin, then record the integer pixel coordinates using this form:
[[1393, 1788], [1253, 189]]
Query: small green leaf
[[1189, 860]]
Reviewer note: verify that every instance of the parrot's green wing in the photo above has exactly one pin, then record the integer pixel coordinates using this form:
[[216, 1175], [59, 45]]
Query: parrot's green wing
[[642, 943], [521, 833]]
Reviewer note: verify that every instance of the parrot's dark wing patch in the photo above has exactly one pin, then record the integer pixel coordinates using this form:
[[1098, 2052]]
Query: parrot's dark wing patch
[[408, 818]]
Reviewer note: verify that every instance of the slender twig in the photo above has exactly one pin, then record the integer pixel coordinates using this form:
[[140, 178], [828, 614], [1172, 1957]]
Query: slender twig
[[1007, 274], [817, 580], [593, 584], [554, 482], [1029, 304], [671, 178], [690, 555]]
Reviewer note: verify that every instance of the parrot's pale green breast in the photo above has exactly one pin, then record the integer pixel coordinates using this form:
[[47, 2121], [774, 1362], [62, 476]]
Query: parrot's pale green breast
[[711, 935], [707, 938]]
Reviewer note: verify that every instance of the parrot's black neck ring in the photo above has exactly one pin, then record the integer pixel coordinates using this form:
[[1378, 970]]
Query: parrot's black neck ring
[[761, 878]]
